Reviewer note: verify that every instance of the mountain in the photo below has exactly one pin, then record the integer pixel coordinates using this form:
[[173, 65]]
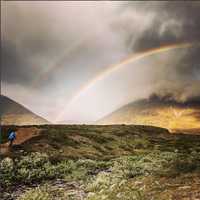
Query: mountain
[[158, 111], [12, 113]]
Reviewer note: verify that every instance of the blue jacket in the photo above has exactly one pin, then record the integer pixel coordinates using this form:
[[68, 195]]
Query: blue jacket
[[12, 136]]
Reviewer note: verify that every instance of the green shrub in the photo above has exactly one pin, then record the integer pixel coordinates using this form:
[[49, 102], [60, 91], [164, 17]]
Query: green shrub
[[34, 167], [109, 187], [6, 171], [39, 193], [46, 192], [93, 165]]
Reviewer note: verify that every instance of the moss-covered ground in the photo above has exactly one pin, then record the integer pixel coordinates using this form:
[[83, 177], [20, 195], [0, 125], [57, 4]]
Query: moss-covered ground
[[124, 162]]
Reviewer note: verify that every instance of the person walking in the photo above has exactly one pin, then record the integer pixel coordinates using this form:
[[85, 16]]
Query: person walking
[[11, 137]]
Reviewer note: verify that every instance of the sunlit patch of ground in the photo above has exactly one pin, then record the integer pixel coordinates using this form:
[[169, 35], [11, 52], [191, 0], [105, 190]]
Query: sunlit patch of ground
[[171, 118]]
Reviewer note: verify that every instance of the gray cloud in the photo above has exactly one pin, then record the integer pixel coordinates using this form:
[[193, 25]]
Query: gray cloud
[[169, 23], [181, 79], [172, 22], [28, 41], [69, 35]]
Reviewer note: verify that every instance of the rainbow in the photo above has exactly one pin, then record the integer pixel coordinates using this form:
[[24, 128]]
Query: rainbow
[[114, 67], [59, 60]]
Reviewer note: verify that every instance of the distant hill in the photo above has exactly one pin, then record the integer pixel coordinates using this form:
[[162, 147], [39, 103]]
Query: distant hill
[[156, 111], [12, 113]]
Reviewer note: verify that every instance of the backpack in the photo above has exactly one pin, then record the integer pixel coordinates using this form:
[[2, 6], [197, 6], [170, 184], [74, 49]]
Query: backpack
[[12, 136]]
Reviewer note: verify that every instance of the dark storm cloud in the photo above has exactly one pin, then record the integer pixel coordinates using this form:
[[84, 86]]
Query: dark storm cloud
[[168, 99], [154, 24], [13, 65], [31, 39], [181, 80], [192, 102], [36, 37], [189, 65], [39, 35], [173, 22], [26, 38], [22, 65]]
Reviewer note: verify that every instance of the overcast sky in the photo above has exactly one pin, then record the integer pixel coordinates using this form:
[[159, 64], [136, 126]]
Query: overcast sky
[[50, 50]]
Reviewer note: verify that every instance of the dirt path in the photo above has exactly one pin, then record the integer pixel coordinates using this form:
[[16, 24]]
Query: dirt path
[[22, 135]]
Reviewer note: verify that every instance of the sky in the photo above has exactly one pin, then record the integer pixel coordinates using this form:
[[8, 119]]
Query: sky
[[56, 56]]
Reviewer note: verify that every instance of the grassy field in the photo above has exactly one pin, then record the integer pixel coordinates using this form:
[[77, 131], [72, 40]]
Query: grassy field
[[124, 162]]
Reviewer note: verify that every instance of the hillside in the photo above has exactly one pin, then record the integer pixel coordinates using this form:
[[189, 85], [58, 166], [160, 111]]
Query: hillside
[[156, 111], [12, 113], [93, 162]]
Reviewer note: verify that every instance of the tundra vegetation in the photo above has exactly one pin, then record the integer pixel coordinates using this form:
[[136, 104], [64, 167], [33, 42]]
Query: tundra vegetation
[[79, 162]]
